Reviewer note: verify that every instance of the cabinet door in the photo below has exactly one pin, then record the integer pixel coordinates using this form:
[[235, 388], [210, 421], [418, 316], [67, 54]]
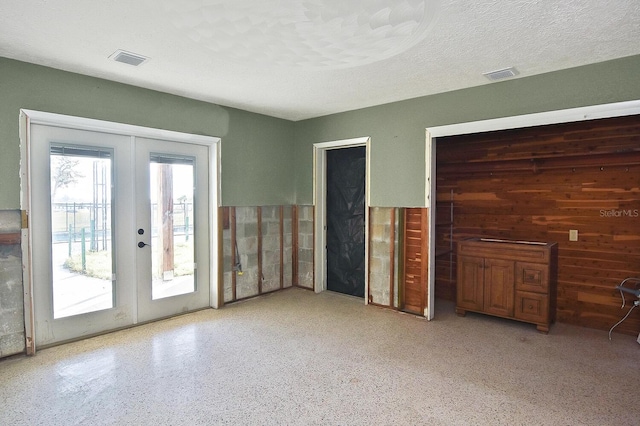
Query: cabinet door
[[498, 287], [470, 283]]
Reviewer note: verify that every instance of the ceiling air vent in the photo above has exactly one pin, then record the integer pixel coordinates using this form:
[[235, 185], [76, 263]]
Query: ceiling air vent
[[128, 58], [501, 74]]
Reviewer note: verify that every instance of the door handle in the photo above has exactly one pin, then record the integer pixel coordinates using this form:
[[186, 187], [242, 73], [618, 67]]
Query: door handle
[[141, 244]]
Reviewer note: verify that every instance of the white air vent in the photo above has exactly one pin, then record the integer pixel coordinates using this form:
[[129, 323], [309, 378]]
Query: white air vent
[[501, 74], [128, 58]]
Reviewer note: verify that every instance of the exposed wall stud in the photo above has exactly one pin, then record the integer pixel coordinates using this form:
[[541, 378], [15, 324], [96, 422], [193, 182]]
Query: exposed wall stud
[[294, 246], [234, 261], [370, 237], [223, 215], [281, 213], [313, 258], [260, 275], [392, 254]]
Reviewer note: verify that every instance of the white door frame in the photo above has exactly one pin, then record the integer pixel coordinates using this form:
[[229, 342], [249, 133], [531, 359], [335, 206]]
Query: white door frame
[[320, 203], [618, 109], [29, 117]]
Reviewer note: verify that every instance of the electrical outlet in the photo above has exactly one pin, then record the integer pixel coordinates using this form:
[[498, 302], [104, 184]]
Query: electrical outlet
[[573, 235]]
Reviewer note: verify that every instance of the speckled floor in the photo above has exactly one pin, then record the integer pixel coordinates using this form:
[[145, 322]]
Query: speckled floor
[[296, 358]]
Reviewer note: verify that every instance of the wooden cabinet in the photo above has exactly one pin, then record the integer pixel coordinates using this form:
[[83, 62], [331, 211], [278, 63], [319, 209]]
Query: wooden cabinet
[[509, 279]]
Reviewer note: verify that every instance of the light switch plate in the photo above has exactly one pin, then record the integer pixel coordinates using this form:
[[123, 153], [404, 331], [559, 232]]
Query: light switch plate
[[573, 235]]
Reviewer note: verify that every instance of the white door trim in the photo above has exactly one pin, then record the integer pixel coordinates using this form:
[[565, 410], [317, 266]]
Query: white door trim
[[29, 117], [81, 123], [320, 199], [618, 109]]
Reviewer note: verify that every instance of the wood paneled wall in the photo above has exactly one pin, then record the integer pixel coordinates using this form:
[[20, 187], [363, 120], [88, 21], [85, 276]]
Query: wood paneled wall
[[537, 184], [416, 265]]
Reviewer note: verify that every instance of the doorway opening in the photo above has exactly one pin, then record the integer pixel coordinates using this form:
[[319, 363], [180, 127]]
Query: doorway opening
[[433, 134], [341, 198], [346, 236]]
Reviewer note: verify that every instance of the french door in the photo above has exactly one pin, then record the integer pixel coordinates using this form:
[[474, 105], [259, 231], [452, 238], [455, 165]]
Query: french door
[[172, 228], [119, 227]]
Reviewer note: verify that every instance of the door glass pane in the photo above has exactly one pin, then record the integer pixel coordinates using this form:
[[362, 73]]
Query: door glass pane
[[172, 226], [81, 241]]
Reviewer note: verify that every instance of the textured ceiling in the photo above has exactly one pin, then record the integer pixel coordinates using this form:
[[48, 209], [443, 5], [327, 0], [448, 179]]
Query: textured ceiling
[[308, 58], [310, 34]]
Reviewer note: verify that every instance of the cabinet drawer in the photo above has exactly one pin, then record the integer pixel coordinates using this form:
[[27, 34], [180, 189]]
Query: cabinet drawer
[[505, 249], [532, 277], [532, 307]]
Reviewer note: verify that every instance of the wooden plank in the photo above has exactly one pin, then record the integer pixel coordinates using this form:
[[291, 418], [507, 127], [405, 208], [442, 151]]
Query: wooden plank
[[415, 269], [559, 140], [313, 245], [259, 225], [537, 164], [425, 262], [234, 260], [281, 217], [392, 256], [12, 238], [225, 218], [222, 213], [165, 220], [368, 278], [294, 246]]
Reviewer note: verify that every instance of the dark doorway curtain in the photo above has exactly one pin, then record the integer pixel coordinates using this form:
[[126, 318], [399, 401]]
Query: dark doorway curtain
[[346, 169]]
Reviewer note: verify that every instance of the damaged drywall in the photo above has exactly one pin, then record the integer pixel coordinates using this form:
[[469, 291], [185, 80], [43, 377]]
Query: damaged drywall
[[12, 334]]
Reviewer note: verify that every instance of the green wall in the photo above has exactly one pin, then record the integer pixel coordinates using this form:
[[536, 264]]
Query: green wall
[[397, 130], [257, 157], [268, 161]]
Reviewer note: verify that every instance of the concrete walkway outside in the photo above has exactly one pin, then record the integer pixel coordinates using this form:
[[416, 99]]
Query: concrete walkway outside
[[75, 293]]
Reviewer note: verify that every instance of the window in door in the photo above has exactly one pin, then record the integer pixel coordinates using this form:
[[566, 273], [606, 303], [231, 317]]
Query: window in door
[[171, 187], [81, 215]]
